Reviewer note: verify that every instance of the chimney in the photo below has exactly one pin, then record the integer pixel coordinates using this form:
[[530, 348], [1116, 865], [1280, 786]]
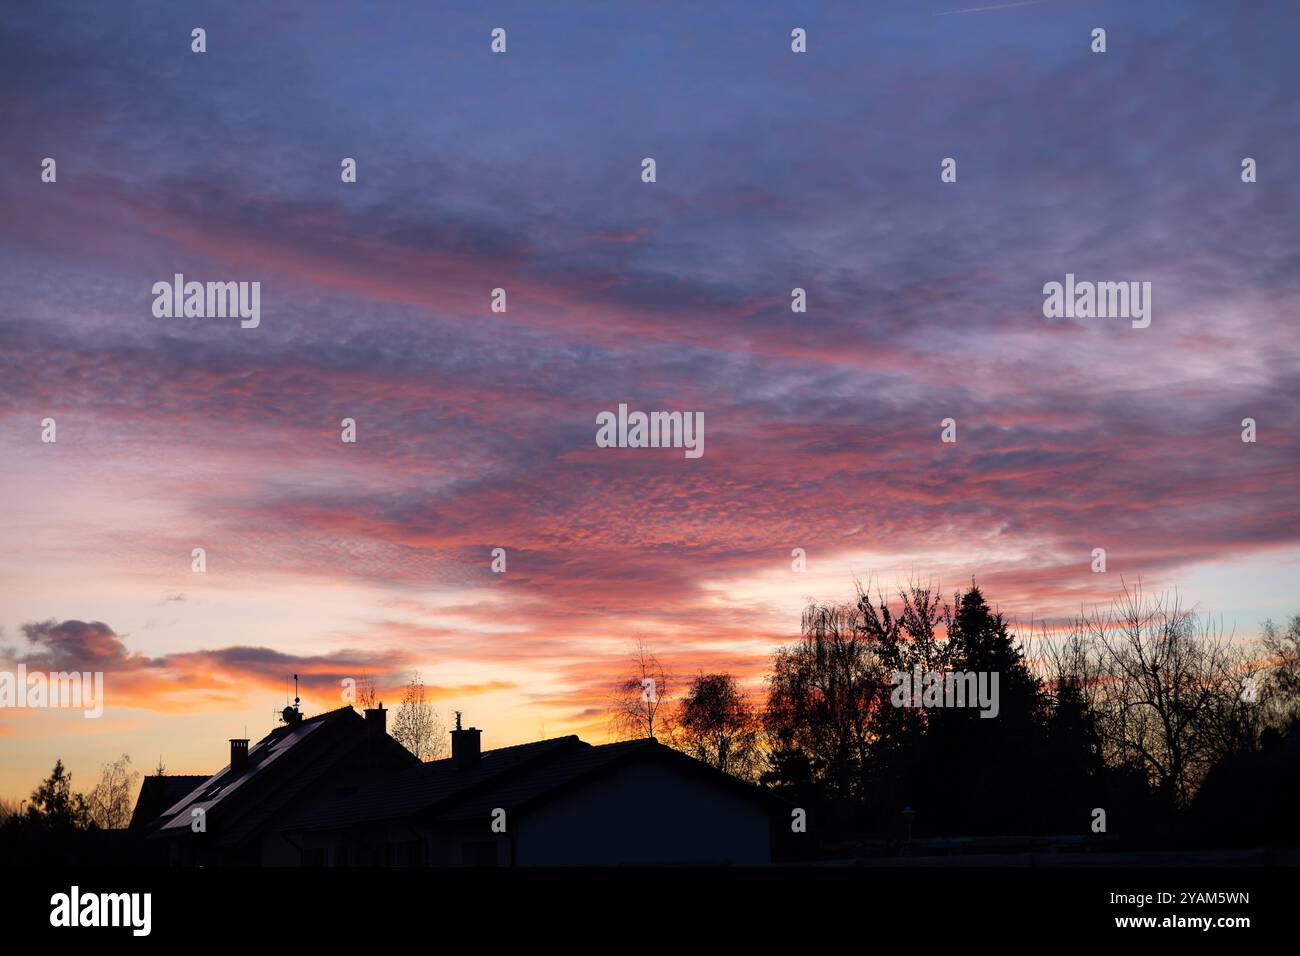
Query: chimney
[[377, 719], [465, 746], [238, 753]]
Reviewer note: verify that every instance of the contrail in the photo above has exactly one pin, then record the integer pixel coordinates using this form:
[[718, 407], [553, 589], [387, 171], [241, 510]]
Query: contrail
[[1000, 6]]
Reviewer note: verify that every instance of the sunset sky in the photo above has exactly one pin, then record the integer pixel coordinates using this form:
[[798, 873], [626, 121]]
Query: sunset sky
[[477, 430]]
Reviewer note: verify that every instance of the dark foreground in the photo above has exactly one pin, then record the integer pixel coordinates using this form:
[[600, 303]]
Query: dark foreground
[[645, 909]]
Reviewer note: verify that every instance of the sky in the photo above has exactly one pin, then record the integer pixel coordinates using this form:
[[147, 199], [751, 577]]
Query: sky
[[476, 429]]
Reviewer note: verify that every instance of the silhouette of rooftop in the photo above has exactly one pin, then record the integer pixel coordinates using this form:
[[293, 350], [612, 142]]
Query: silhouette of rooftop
[[433, 783], [278, 767]]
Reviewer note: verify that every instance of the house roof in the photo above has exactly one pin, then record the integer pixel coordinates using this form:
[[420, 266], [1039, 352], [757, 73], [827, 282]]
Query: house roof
[[527, 788], [280, 766], [581, 766], [433, 784], [158, 792], [512, 777]]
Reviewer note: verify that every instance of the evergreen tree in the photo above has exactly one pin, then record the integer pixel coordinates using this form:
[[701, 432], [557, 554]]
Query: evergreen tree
[[54, 805]]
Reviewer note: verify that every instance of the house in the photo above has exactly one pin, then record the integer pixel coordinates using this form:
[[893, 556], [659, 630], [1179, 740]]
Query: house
[[554, 802], [158, 793], [235, 817]]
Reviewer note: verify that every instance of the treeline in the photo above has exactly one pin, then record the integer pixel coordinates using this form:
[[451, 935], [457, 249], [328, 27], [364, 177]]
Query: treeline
[[1140, 724], [59, 825]]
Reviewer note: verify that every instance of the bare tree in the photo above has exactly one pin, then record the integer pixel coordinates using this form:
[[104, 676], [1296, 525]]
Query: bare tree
[[1070, 666], [367, 692], [1172, 699], [110, 803], [417, 726], [637, 708], [1280, 679]]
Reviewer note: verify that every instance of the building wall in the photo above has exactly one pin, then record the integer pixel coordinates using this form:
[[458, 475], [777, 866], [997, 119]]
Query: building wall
[[646, 813], [387, 843]]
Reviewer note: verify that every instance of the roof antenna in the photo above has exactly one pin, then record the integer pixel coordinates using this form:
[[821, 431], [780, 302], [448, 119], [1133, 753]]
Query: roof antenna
[[291, 714]]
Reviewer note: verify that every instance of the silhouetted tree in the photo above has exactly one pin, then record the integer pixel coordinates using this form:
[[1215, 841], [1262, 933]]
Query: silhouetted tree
[[111, 801], [1169, 678], [1074, 765], [417, 726], [902, 642], [980, 773], [55, 806], [820, 698], [1250, 799], [1126, 711], [1281, 676], [717, 725], [367, 692], [637, 708]]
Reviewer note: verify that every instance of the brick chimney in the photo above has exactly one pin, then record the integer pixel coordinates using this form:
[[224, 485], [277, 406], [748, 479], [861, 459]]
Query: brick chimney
[[377, 719], [465, 746], [238, 753]]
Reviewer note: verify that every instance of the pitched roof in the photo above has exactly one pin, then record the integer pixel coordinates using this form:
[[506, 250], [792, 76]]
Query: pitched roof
[[511, 777], [433, 784], [281, 765], [158, 792], [526, 788], [576, 768]]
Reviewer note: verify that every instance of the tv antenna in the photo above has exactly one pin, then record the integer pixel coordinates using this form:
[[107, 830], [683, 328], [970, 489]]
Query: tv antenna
[[289, 709]]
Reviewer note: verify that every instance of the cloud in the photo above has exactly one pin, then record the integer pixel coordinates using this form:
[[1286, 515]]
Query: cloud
[[476, 428], [75, 645], [220, 676]]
